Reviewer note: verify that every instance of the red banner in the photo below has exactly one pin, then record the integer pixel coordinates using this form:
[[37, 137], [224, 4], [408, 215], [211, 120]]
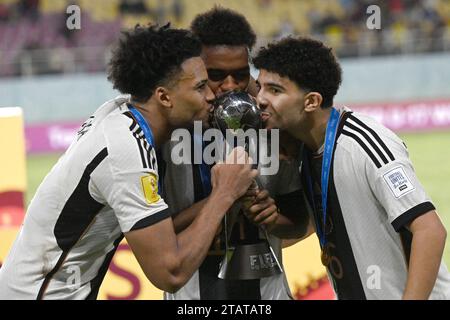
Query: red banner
[[409, 116]]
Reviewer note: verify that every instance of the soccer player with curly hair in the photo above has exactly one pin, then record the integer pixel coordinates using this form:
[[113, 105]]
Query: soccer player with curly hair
[[107, 185], [380, 235]]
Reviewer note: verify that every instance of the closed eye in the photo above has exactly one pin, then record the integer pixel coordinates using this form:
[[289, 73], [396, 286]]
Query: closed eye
[[201, 85]]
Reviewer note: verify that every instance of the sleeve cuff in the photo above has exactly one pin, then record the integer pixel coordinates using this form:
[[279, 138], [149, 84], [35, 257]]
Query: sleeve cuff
[[411, 214], [152, 219]]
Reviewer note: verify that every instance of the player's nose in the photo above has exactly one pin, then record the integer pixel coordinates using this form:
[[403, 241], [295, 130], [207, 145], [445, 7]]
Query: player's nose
[[229, 84], [209, 96], [263, 103]]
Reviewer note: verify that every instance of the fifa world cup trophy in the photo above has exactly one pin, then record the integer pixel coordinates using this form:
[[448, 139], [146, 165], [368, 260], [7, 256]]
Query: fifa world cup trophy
[[249, 254]]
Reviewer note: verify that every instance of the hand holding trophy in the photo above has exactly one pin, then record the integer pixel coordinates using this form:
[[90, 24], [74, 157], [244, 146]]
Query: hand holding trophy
[[248, 255]]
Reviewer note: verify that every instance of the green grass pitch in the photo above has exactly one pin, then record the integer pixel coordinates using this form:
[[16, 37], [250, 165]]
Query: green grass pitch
[[429, 152]]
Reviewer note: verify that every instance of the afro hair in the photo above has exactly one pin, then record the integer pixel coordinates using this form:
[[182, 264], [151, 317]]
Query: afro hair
[[305, 61], [220, 26], [149, 56]]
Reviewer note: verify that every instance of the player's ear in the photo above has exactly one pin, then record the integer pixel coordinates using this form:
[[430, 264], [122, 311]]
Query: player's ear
[[313, 101], [163, 97]]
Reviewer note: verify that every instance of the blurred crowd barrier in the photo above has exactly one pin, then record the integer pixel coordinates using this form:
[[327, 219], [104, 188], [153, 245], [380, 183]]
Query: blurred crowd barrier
[[416, 83], [34, 38], [400, 117]]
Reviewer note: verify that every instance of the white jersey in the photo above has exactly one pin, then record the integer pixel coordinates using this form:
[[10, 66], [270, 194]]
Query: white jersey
[[183, 187], [373, 195], [104, 185]]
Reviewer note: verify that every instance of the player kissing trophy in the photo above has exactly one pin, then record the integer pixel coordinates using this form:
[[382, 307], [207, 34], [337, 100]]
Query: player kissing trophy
[[249, 254]]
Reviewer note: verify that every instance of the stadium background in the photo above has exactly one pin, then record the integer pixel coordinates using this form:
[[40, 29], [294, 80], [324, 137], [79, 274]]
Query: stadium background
[[399, 74]]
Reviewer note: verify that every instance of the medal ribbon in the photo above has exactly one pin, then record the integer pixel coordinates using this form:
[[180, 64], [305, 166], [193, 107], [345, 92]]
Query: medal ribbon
[[330, 140], [205, 171]]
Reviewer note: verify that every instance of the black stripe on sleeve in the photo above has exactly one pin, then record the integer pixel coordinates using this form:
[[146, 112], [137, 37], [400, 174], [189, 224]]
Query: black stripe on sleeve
[[342, 121], [133, 125], [143, 144], [141, 150], [362, 144], [407, 217], [366, 136], [137, 137], [152, 219], [138, 132], [375, 135], [129, 115], [148, 149]]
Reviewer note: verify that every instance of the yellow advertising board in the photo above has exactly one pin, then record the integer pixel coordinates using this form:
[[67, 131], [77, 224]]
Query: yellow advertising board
[[12, 167], [125, 279]]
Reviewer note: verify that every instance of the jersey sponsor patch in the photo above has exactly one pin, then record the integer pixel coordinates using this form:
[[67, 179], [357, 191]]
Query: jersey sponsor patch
[[150, 188], [398, 182]]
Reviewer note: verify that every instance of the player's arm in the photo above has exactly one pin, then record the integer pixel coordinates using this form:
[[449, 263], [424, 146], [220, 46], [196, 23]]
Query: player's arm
[[295, 222], [427, 247], [169, 260], [183, 219], [412, 214], [284, 218], [287, 242]]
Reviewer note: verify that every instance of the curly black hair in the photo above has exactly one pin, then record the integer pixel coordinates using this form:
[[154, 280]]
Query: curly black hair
[[305, 61], [149, 56], [220, 26]]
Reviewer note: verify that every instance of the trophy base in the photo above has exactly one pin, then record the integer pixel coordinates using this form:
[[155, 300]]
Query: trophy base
[[249, 262]]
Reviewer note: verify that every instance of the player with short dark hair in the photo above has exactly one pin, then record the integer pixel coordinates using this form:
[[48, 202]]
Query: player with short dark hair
[[233, 28], [380, 235], [107, 185], [319, 70], [227, 39]]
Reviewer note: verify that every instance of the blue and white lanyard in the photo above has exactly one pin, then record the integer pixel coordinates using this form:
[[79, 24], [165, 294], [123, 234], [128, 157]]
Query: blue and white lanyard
[[330, 140], [205, 171]]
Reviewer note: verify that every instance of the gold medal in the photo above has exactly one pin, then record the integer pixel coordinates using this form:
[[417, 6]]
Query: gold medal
[[325, 256]]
